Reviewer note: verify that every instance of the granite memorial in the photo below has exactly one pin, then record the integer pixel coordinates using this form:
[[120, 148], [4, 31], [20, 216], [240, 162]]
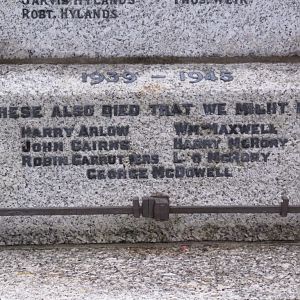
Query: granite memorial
[[32, 29], [84, 135]]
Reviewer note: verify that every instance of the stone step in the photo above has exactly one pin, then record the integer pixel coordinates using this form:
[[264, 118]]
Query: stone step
[[33, 29], [100, 135], [169, 271]]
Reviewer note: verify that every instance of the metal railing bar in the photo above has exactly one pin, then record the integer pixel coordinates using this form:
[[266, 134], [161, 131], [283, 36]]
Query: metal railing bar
[[153, 207], [49, 211]]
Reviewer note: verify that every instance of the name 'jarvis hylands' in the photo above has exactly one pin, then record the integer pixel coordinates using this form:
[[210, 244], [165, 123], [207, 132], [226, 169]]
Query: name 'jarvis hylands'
[[74, 12]]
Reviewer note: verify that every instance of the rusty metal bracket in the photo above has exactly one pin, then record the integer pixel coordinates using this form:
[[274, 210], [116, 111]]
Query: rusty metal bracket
[[155, 207]]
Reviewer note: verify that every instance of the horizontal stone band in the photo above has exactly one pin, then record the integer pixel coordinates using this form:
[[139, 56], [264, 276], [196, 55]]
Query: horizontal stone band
[[131, 28], [100, 135]]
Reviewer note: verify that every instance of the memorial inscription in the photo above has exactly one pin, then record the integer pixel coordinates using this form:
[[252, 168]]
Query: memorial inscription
[[207, 136], [219, 140], [79, 9], [106, 9]]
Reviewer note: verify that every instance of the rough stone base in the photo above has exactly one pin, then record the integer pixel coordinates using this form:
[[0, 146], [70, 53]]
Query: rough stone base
[[144, 272], [114, 229]]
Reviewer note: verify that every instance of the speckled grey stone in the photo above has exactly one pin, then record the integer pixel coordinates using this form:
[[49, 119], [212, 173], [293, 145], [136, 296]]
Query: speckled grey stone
[[222, 28], [193, 271], [252, 183]]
